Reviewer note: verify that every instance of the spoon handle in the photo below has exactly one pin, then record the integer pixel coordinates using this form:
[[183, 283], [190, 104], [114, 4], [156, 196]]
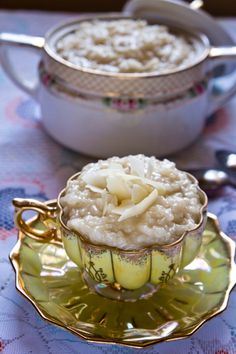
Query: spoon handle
[[227, 161], [211, 180], [196, 4]]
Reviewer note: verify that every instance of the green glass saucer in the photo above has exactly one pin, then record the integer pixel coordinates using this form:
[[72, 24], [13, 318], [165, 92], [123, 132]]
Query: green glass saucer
[[55, 286]]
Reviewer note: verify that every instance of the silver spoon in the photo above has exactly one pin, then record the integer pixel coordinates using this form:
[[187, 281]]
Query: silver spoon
[[227, 159], [212, 180], [196, 4]]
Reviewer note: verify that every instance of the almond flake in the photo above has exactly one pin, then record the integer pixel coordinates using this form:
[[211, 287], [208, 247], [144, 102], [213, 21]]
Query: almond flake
[[117, 185], [139, 208]]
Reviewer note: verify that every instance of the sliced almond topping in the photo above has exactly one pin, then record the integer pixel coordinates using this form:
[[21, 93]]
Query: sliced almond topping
[[126, 204], [117, 185], [116, 166], [95, 178], [134, 192], [139, 208], [95, 189], [138, 193], [137, 166]]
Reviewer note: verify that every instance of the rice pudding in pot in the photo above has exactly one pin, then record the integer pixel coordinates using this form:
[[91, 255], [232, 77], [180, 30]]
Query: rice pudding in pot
[[127, 46], [131, 202]]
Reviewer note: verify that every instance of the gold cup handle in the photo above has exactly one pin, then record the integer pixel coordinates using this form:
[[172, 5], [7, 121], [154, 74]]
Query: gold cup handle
[[45, 212]]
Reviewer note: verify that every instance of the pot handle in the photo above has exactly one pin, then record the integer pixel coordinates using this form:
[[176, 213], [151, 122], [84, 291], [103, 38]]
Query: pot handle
[[8, 40], [47, 214], [219, 94]]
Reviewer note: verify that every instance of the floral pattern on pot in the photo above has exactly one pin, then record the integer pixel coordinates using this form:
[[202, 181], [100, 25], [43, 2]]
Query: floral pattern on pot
[[122, 103], [125, 104]]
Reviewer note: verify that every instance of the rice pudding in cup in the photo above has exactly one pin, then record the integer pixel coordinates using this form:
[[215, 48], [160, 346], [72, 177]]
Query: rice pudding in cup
[[128, 223]]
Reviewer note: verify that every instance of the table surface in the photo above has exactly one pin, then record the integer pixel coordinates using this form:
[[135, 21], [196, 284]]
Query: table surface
[[33, 165]]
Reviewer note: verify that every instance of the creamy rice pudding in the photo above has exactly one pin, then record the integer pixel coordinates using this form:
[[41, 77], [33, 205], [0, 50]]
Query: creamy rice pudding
[[131, 202], [127, 46]]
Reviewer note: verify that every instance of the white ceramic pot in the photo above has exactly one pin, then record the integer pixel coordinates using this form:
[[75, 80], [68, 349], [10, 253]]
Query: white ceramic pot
[[103, 114], [115, 126]]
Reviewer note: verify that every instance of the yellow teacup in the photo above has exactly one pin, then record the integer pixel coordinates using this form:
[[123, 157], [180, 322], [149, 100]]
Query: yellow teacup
[[113, 272]]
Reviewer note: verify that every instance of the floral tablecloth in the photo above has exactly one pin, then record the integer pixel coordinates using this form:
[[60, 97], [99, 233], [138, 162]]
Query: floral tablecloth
[[33, 165]]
